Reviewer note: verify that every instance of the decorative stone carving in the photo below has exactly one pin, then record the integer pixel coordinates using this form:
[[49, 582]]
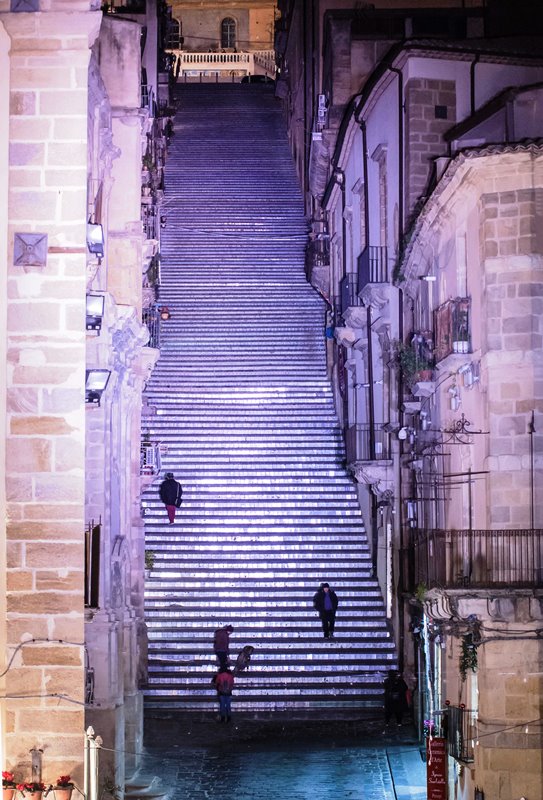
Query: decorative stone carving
[[378, 475], [356, 317], [345, 336], [379, 296]]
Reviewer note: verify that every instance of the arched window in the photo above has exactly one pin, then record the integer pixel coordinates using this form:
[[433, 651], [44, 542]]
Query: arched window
[[173, 39], [228, 33]]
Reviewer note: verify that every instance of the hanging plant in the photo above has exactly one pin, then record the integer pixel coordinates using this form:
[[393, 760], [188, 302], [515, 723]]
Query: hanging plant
[[468, 656]]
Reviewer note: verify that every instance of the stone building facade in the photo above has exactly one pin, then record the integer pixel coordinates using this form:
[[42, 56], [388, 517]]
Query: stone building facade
[[76, 122], [423, 187]]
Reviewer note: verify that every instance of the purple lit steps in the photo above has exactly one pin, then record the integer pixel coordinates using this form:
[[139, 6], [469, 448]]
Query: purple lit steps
[[245, 410]]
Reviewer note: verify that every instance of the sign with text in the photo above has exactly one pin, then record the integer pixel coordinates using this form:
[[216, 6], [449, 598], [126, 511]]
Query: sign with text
[[436, 769]]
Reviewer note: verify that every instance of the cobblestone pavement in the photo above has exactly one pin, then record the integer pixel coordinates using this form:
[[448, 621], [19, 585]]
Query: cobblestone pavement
[[197, 758]]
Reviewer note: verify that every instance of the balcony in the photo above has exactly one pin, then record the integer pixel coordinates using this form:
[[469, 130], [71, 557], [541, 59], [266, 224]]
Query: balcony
[[460, 724], [150, 458], [367, 443], [372, 266], [348, 292], [151, 317], [478, 559], [374, 288], [452, 328], [92, 564]]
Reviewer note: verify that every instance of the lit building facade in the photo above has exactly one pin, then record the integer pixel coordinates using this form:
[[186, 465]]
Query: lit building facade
[[421, 171], [82, 145]]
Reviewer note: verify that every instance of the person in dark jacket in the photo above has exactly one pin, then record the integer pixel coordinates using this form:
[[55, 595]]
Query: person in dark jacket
[[395, 696], [325, 602], [221, 645], [171, 494]]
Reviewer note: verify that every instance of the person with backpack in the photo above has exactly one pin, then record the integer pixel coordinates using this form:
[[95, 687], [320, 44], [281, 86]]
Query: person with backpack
[[224, 683], [171, 494]]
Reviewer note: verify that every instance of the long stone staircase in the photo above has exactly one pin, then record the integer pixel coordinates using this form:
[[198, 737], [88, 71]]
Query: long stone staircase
[[245, 415]]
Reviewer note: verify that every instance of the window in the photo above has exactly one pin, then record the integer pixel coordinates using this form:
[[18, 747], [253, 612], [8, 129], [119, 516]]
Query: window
[[228, 33], [174, 34]]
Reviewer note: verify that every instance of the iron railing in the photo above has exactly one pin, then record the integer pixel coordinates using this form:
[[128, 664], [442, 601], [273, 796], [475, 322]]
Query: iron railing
[[372, 266], [92, 564], [150, 220], [150, 458], [151, 317], [348, 289], [452, 327], [477, 558], [364, 442], [460, 724]]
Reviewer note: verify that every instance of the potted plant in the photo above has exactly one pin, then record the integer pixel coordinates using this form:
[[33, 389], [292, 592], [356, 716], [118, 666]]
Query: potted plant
[[414, 366], [63, 788], [32, 789], [8, 785]]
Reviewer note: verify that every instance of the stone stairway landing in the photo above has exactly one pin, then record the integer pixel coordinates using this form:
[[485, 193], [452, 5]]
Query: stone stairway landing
[[244, 411]]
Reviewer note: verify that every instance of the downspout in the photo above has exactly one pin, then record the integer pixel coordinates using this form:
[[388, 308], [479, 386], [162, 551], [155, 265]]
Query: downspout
[[401, 223], [472, 103]]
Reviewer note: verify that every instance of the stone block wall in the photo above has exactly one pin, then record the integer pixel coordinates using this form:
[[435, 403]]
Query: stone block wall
[[430, 109], [511, 244], [44, 329]]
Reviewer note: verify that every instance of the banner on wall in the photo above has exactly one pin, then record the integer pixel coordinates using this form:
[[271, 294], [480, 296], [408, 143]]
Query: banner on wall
[[436, 769]]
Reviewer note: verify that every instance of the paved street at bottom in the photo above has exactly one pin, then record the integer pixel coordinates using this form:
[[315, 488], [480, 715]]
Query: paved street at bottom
[[291, 764]]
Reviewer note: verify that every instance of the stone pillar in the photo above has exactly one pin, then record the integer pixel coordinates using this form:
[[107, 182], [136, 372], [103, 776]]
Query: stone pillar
[[45, 408]]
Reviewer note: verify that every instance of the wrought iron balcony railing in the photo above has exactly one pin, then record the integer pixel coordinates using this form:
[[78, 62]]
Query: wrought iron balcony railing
[[151, 317], [150, 458], [348, 288], [92, 564], [460, 724], [452, 328], [366, 442], [478, 558], [372, 266]]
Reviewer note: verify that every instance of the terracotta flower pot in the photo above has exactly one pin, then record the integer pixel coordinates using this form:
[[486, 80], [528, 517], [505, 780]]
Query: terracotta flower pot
[[33, 795], [7, 794], [63, 792]]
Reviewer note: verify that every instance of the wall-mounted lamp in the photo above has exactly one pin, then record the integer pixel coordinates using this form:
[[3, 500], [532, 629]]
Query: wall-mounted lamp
[[165, 313], [95, 239], [95, 312], [96, 381]]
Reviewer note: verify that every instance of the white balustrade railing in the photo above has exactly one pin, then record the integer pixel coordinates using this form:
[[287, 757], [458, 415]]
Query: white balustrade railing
[[243, 62]]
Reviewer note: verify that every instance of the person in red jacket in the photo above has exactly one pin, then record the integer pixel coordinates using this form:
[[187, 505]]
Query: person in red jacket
[[224, 683], [221, 645]]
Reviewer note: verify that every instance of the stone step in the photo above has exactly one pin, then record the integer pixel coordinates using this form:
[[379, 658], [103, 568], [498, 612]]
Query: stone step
[[241, 404]]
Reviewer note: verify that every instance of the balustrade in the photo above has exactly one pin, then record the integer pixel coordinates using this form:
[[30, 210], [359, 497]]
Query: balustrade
[[452, 327], [372, 266], [188, 62], [460, 726], [151, 318], [366, 442], [478, 558]]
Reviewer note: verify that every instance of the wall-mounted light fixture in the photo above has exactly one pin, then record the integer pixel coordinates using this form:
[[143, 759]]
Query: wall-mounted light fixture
[[95, 239], [96, 381], [165, 313], [95, 312]]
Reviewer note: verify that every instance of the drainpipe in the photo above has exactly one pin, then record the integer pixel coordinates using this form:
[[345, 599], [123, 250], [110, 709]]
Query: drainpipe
[[472, 84], [401, 169]]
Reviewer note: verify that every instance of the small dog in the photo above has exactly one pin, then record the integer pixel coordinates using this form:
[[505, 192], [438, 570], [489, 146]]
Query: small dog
[[243, 660]]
